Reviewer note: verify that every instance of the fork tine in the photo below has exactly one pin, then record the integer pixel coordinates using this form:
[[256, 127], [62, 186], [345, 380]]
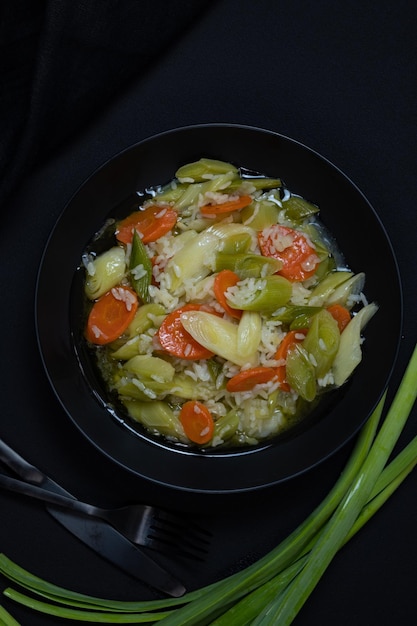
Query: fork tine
[[171, 548], [182, 524], [171, 535], [167, 530]]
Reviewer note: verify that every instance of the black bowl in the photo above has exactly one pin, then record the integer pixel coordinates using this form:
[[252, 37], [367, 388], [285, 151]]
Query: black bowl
[[359, 234]]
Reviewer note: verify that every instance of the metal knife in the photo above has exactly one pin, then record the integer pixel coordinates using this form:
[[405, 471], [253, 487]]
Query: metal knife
[[97, 534]]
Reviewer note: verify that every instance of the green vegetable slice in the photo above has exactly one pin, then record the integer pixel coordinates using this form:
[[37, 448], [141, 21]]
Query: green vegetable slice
[[271, 293], [247, 265], [300, 373], [204, 168], [322, 342], [273, 589], [140, 268], [104, 272]]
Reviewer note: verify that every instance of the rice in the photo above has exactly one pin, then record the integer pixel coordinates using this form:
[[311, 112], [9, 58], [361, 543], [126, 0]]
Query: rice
[[279, 241], [243, 292], [164, 297], [125, 296], [138, 272], [266, 408]]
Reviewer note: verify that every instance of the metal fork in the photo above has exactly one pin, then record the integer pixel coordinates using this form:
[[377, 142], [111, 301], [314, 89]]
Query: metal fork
[[144, 525]]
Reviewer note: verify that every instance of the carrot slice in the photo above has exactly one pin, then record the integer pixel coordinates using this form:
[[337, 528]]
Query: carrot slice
[[177, 341], [298, 257], [111, 315], [340, 314], [197, 421], [246, 380], [225, 207], [151, 223], [222, 282], [290, 339]]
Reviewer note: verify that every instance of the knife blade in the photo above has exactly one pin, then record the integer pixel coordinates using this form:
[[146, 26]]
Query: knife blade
[[97, 534], [110, 544]]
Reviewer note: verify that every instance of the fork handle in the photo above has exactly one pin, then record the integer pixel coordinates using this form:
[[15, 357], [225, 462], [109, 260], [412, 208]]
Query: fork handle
[[33, 491], [19, 465]]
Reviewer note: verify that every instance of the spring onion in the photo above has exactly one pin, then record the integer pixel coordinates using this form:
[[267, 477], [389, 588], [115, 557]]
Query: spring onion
[[274, 589], [6, 619]]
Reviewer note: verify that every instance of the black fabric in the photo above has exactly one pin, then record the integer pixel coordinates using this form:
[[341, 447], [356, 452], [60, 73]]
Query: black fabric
[[81, 81], [63, 61]]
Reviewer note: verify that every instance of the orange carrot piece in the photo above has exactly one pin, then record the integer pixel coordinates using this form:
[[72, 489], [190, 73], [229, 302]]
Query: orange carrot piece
[[299, 258], [290, 339], [151, 223], [197, 421], [111, 315], [222, 282], [177, 341], [225, 207], [340, 314], [246, 380]]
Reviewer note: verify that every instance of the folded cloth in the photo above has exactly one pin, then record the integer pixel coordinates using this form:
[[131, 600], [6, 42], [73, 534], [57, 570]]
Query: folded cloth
[[62, 61]]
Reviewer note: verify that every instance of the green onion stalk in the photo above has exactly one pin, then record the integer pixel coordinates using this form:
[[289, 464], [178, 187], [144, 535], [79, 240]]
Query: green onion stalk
[[6, 619], [286, 605], [274, 589]]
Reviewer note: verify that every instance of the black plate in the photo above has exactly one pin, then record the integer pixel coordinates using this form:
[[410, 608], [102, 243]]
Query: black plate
[[343, 209]]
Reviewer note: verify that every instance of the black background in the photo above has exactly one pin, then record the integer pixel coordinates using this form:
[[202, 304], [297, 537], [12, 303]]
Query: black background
[[83, 80]]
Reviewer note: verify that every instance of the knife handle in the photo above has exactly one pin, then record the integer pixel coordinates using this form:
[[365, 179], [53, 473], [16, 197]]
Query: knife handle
[[19, 465]]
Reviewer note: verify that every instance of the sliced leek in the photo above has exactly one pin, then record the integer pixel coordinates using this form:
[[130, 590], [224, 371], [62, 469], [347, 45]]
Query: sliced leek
[[181, 386], [349, 292], [300, 373], [265, 295], [260, 214], [249, 333], [204, 169], [145, 366], [247, 265], [326, 287], [127, 350], [349, 354], [157, 416], [194, 193], [226, 230], [226, 426], [105, 272], [297, 208], [257, 183], [216, 334], [193, 261], [322, 342], [296, 316], [146, 316], [236, 243]]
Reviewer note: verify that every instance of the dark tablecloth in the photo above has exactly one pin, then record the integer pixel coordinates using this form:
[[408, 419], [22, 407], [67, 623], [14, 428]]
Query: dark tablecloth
[[82, 81]]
